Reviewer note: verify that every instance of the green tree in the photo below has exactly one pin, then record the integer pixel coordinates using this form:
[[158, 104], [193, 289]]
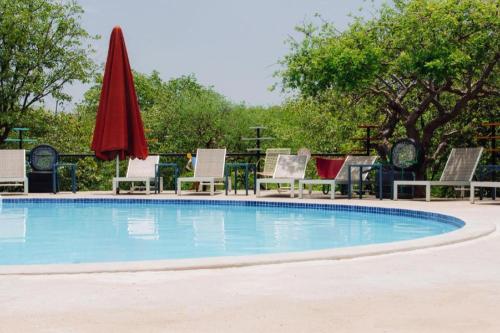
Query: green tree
[[42, 48], [179, 115], [187, 115], [418, 66]]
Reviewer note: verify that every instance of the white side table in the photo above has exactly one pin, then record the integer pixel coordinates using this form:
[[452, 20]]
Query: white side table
[[311, 182]]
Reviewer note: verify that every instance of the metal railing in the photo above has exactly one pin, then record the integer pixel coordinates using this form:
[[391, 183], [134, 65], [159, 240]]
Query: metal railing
[[74, 158], [179, 155]]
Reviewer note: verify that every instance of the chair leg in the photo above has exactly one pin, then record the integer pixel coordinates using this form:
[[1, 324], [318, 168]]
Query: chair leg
[[212, 187], [179, 188], [301, 190], [292, 189], [257, 194], [332, 190], [148, 187], [115, 185], [395, 192], [472, 194], [428, 192], [25, 187], [54, 180]]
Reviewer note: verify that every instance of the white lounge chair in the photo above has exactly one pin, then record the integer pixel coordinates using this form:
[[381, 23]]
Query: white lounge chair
[[288, 169], [458, 171], [271, 159], [209, 168], [140, 171], [13, 168], [473, 186], [342, 176]]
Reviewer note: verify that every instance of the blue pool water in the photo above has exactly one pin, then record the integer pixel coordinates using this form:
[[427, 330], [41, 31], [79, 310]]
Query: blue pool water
[[80, 232]]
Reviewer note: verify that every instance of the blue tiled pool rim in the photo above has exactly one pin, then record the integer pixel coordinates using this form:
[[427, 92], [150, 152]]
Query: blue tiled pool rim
[[438, 217]]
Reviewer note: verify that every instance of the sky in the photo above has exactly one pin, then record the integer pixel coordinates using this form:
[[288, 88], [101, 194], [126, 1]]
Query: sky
[[232, 45]]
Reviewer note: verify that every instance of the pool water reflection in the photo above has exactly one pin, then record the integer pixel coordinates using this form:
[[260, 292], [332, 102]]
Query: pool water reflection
[[42, 233]]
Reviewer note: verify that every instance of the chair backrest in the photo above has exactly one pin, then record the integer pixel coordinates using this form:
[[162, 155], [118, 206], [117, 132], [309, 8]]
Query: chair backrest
[[142, 168], [210, 163], [272, 158], [290, 166], [303, 151], [461, 164], [12, 163], [343, 174], [43, 157]]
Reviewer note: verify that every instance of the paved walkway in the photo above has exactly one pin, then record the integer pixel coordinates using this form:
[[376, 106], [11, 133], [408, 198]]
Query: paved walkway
[[454, 288]]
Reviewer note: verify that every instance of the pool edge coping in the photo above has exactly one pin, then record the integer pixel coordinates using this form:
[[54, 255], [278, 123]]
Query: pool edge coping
[[469, 231]]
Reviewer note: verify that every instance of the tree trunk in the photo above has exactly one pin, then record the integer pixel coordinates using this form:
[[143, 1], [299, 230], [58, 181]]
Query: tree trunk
[[5, 133], [420, 171]]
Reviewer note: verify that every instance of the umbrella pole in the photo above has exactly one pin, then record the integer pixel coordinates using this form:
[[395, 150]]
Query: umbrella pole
[[117, 167]]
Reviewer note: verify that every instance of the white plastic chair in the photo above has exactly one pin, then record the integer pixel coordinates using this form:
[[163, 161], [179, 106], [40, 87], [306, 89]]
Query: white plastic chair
[[13, 168], [209, 168], [271, 159], [288, 169], [140, 171]]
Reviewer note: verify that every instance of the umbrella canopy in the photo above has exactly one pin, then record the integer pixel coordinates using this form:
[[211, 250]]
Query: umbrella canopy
[[118, 130]]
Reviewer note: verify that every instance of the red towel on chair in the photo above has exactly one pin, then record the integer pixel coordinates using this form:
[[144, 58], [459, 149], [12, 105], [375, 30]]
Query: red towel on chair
[[328, 168]]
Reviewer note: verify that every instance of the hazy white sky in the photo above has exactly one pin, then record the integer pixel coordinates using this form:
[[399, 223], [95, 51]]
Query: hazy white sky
[[233, 45]]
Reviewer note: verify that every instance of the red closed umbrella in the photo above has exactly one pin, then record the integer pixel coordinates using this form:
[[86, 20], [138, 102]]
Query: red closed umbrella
[[118, 130]]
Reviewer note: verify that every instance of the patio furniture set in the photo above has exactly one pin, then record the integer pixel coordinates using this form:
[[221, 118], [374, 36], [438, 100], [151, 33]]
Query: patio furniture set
[[212, 170], [43, 174]]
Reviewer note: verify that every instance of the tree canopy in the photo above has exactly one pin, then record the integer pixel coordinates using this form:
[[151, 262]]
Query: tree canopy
[[42, 48], [420, 64]]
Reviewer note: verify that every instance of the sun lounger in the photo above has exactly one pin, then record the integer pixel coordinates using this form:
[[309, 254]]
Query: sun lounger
[[140, 171], [288, 169], [458, 171], [13, 168], [342, 176], [473, 186], [209, 168], [271, 159]]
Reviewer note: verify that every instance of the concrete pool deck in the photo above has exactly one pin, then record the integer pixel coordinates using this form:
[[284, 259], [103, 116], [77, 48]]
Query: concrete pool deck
[[450, 288]]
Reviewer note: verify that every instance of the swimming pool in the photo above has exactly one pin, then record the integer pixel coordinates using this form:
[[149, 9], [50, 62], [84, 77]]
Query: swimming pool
[[62, 231]]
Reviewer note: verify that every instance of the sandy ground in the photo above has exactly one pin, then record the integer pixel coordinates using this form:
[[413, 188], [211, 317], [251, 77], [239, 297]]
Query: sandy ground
[[454, 288]]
